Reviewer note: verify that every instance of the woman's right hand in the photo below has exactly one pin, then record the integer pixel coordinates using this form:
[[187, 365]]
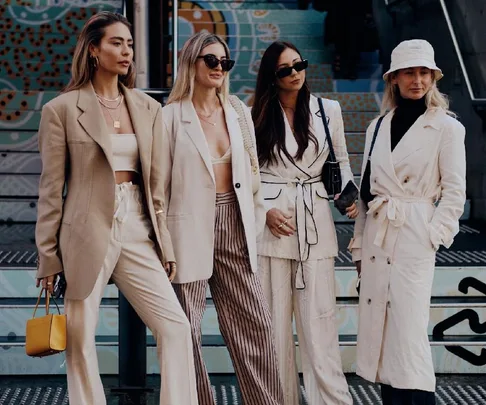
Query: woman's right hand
[[47, 283], [279, 223], [358, 267]]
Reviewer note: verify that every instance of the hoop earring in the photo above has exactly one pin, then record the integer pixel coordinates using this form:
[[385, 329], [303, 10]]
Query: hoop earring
[[95, 61]]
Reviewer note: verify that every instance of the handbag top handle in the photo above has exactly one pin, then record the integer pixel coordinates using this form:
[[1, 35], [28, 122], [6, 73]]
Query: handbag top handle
[[326, 127], [377, 128], [48, 296]]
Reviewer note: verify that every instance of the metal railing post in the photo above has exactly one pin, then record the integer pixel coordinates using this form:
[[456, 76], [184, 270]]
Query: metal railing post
[[175, 38], [458, 52]]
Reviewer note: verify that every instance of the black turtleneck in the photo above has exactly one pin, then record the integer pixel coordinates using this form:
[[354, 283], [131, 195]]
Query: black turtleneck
[[405, 115]]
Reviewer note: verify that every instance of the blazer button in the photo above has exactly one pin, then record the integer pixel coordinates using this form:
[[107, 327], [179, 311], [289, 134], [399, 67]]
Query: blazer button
[[372, 259], [375, 215], [369, 301], [405, 180], [237, 185], [388, 260]]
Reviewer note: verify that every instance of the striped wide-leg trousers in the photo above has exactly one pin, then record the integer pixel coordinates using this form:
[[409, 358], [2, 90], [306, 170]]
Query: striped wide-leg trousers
[[243, 315]]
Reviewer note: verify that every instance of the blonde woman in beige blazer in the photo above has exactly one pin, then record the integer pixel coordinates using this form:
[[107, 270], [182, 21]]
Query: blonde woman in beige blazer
[[101, 139], [412, 196], [214, 207]]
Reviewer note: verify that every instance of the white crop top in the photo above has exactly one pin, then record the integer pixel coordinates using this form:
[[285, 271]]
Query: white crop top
[[125, 152], [226, 158]]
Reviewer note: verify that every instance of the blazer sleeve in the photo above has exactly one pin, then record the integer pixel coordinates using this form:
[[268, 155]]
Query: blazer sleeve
[[258, 201], [356, 242], [53, 152], [452, 168], [339, 144], [161, 170]]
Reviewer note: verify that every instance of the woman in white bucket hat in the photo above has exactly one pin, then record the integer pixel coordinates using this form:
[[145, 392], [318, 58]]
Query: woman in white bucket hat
[[418, 159]]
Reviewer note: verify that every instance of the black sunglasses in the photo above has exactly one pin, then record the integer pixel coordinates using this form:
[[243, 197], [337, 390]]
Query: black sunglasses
[[212, 62], [287, 71]]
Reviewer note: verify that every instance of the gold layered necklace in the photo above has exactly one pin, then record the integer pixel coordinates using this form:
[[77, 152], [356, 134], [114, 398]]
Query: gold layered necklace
[[116, 108], [206, 118]]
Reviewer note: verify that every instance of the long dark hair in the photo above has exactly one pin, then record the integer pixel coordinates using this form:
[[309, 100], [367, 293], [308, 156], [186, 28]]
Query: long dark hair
[[83, 68], [268, 116]]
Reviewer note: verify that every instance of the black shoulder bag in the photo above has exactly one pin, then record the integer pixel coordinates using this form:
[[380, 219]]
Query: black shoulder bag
[[331, 172], [365, 181]]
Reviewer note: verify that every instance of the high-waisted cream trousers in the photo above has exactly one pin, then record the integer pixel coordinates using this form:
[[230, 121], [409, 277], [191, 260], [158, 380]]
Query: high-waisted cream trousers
[[132, 263]]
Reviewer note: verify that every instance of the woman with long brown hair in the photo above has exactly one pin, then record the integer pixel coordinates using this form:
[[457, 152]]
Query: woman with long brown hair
[[103, 140], [298, 246]]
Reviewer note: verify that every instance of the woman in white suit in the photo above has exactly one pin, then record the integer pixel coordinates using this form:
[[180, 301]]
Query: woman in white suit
[[418, 160], [297, 250], [214, 213]]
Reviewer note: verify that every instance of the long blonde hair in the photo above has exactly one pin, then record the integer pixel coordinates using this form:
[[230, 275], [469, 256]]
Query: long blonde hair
[[433, 99], [83, 66], [184, 84]]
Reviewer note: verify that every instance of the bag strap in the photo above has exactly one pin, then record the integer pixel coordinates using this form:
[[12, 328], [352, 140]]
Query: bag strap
[[245, 132], [326, 127], [377, 128], [48, 297]]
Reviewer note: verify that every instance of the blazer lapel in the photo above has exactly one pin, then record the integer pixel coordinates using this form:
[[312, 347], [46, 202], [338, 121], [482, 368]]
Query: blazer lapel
[[92, 120], [194, 130], [142, 124]]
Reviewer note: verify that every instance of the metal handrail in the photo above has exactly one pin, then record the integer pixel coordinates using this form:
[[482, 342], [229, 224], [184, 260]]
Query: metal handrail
[[458, 52], [175, 38]]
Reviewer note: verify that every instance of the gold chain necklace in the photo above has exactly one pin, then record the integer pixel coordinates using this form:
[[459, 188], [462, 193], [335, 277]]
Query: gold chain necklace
[[116, 122], [206, 120]]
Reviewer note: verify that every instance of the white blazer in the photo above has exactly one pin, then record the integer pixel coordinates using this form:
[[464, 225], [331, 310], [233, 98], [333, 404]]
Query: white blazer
[[297, 190], [191, 189]]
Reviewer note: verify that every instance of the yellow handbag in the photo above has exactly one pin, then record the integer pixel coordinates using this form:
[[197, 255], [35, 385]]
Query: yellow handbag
[[46, 335]]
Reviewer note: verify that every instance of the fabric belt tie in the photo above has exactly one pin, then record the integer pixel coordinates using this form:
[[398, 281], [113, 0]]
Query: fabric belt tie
[[305, 223], [395, 213], [123, 201]]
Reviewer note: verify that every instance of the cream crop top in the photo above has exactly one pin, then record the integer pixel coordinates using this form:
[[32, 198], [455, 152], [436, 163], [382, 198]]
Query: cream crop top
[[226, 158], [125, 152]]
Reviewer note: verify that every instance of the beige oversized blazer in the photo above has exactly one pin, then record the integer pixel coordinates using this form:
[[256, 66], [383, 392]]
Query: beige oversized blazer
[[75, 146], [190, 189]]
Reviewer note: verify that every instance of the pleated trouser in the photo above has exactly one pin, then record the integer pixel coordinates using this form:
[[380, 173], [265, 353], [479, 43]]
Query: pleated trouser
[[133, 264], [314, 309], [243, 315]]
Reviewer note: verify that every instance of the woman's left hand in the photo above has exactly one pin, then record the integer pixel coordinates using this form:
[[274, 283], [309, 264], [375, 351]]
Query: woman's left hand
[[352, 211], [171, 270]]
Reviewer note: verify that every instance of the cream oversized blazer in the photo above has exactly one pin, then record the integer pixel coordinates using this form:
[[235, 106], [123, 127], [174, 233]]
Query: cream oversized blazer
[[190, 188], [396, 238], [297, 190], [75, 147]]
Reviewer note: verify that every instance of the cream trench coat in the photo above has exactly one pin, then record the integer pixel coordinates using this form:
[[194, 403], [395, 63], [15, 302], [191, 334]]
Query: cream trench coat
[[191, 188], [396, 239], [297, 190]]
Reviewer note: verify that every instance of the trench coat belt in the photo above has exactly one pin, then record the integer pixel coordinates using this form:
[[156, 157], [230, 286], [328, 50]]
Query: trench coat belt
[[395, 213], [305, 223]]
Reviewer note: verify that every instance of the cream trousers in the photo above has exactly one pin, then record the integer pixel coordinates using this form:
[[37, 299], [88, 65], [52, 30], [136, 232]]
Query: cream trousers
[[314, 308], [132, 263]]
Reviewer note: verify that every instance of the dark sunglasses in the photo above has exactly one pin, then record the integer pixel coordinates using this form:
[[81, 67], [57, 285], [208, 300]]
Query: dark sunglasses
[[212, 62], [287, 71]]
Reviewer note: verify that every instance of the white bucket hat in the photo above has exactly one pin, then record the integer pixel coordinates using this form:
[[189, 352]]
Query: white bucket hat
[[413, 53]]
